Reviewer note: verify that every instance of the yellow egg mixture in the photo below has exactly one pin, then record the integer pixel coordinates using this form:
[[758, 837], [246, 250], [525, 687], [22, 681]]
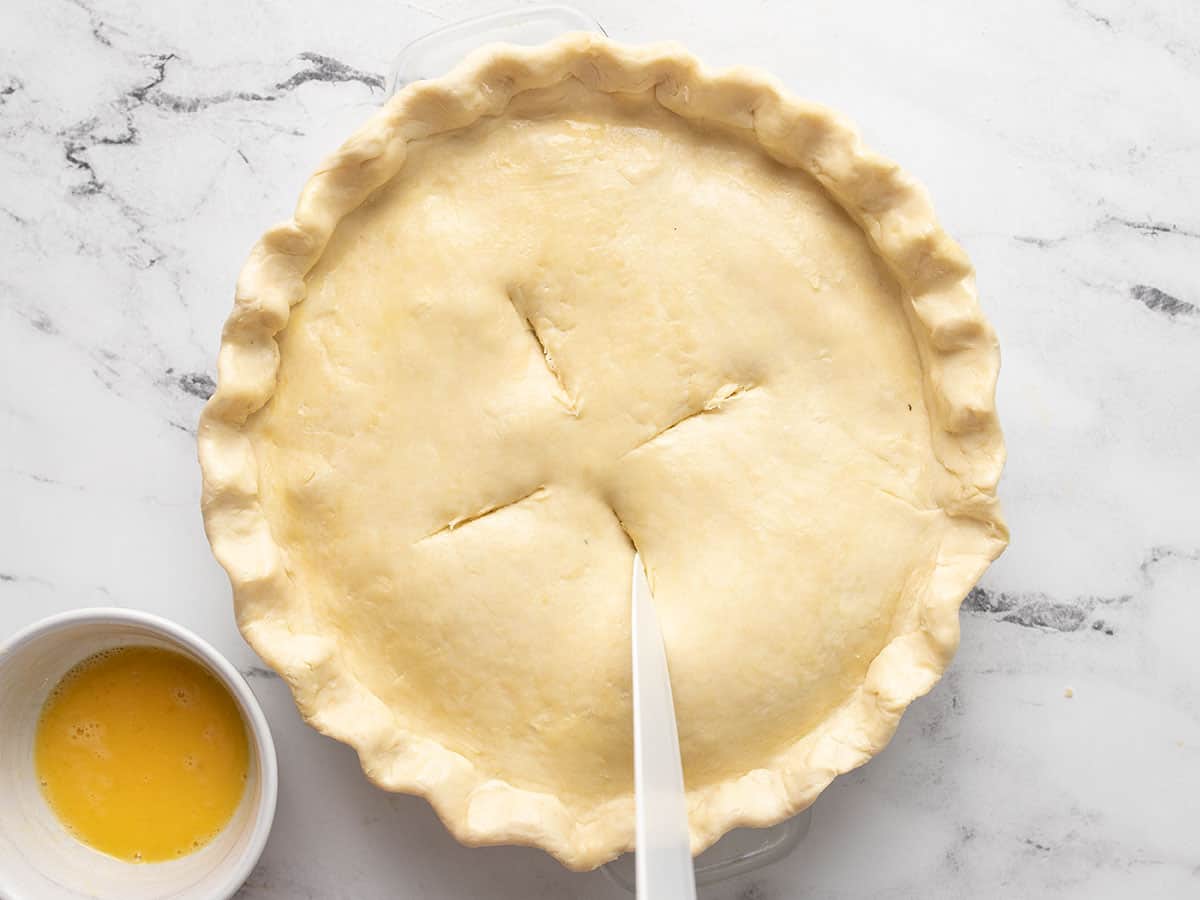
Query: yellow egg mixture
[[142, 753]]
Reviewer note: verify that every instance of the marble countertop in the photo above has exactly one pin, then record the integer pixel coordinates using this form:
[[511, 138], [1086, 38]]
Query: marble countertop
[[144, 146]]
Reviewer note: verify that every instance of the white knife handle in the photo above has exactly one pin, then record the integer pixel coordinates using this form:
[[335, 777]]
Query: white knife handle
[[664, 854]]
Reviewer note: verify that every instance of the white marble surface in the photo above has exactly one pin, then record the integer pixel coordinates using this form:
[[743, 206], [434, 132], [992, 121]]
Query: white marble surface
[[144, 145]]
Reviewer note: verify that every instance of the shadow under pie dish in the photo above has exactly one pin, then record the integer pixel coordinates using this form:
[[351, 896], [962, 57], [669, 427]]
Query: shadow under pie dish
[[560, 303]]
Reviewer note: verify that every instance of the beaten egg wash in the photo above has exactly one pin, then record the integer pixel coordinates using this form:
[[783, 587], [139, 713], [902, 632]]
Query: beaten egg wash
[[142, 753]]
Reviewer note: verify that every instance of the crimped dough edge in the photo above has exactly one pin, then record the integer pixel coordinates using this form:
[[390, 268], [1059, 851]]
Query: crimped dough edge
[[958, 350]]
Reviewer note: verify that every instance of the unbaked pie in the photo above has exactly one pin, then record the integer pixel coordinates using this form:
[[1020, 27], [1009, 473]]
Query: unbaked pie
[[564, 302]]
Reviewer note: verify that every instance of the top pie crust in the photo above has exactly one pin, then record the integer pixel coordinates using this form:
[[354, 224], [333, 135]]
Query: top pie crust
[[565, 301]]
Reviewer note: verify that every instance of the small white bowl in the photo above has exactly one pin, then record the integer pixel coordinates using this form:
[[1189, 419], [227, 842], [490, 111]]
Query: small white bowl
[[39, 859]]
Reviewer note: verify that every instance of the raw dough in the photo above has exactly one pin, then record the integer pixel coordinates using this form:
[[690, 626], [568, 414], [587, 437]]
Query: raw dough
[[579, 323]]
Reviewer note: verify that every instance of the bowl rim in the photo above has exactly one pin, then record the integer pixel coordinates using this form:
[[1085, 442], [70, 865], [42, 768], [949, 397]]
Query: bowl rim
[[238, 870]]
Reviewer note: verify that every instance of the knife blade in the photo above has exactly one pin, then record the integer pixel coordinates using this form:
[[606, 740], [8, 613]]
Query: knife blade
[[664, 855]]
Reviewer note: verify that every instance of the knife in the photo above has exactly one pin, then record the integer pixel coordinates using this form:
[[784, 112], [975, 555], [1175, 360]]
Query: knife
[[664, 854]]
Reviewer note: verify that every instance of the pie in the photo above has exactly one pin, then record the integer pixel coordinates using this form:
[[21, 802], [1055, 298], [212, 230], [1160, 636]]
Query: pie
[[562, 303]]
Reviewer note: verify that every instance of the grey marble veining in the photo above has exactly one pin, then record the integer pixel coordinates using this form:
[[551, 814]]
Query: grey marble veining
[[144, 146]]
